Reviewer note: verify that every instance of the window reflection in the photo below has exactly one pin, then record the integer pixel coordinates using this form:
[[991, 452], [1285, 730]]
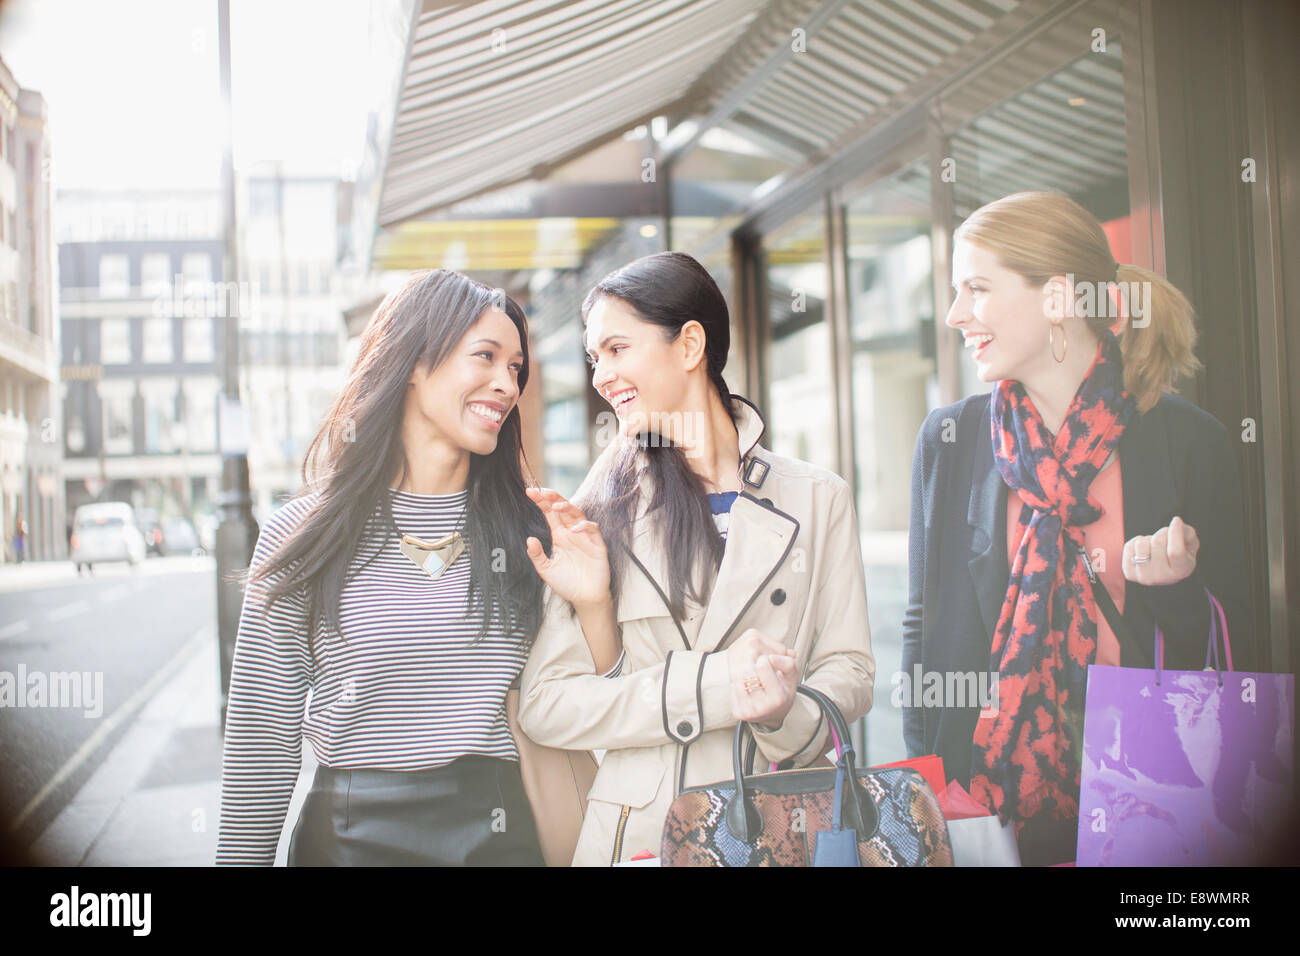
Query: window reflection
[[890, 277], [801, 407], [891, 320]]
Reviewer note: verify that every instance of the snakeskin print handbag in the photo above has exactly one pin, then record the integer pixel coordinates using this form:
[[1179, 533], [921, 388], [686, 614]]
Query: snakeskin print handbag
[[838, 816]]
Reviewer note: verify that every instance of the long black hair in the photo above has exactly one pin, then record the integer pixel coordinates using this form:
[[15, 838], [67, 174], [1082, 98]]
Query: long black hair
[[667, 289], [359, 449]]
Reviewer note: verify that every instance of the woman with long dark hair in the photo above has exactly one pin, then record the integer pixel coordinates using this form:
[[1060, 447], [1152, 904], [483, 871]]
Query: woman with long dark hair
[[723, 573], [398, 591], [1080, 465]]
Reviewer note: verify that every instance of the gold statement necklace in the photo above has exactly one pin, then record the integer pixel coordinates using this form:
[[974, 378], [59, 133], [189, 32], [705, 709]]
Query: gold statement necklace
[[434, 557]]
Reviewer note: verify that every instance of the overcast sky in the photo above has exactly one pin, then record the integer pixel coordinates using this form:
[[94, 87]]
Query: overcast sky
[[132, 86]]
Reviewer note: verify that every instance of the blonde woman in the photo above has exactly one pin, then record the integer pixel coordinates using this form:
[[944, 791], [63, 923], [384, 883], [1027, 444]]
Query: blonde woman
[[1079, 450]]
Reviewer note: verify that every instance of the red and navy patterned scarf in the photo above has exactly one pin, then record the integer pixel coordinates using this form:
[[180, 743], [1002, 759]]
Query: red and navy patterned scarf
[[1026, 756]]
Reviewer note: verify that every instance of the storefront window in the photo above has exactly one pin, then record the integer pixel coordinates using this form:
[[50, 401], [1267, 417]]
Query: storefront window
[[891, 321], [711, 184], [713, 181], [801, 401], [564, 394], [116, 399], [890, 278]]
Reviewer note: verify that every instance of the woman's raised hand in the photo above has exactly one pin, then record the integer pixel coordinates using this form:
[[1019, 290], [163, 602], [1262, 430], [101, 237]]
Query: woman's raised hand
[[578, 568]]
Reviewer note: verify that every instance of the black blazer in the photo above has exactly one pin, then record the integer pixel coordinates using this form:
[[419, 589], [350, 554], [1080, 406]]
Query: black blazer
[[1175, 460]]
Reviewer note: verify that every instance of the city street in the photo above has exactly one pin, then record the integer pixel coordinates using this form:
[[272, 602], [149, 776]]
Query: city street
[[79, 657]]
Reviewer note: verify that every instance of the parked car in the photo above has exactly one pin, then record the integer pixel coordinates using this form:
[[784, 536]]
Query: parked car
[[106, 532], [146, 520], [179, 537]]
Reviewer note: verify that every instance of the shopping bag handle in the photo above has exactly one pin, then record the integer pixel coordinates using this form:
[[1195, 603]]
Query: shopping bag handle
[[751, 749], [743, 818], [1218, 621]]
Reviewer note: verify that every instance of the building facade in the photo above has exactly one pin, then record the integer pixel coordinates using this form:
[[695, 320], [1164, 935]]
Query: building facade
[[31, 493], [293, 234], [141, 301]]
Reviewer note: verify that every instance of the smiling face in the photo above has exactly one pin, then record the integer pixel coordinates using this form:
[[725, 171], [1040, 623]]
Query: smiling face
[[463, 401], [633, 368], [1002, 317]]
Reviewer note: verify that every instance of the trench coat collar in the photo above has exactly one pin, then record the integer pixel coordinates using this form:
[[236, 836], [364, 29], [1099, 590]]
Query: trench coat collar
[[759, 537], [1150, 490]]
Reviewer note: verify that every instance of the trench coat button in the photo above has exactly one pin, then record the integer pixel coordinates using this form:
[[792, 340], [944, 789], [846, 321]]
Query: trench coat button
[[767, 502], [685, 729], [778, 596]]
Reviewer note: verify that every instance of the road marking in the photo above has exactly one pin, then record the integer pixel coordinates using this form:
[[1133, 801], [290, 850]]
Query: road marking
[[112, 594], [14, 629], [127, 710], [68, 610]]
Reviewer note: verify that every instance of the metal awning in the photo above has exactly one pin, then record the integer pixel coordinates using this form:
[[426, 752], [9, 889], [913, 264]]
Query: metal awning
[[861, 57], [503, 92], [497, 92]]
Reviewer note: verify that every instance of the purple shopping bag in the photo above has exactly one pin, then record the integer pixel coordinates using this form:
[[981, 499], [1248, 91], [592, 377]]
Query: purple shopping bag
[[1185, 768]]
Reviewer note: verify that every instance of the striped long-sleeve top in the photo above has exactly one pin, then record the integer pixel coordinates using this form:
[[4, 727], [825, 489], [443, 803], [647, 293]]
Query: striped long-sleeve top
[[403, 689]]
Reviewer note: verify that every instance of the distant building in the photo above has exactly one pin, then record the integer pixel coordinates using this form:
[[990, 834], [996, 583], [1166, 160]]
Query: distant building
[[141, 299], [31, 495], [293, 245]]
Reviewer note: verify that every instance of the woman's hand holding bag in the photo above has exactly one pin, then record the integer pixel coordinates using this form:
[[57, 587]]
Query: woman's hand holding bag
[[763, 679]]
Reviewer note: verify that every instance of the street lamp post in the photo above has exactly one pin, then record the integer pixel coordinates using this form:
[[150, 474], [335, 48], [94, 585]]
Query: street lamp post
[[237, 531]]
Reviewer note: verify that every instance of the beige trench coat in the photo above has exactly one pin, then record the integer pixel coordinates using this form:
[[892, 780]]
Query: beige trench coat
[[792, 568]]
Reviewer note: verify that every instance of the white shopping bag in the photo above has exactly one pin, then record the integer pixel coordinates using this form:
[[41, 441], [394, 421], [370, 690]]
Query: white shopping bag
[[982, 841]]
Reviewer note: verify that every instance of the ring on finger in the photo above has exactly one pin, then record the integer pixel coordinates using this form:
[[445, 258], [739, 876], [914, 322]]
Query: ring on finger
[[752, 684]]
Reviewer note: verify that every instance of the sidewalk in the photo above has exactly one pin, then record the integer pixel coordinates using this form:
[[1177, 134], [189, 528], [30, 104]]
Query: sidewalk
[[43, 574], [35, 574], [156, 799]]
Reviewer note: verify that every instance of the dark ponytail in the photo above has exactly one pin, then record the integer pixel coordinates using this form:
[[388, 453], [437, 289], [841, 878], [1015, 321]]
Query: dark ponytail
[[668, 289]]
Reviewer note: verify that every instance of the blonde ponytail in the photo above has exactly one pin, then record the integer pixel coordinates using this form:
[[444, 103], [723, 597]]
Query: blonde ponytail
[[1159, 345], [1042, 234]]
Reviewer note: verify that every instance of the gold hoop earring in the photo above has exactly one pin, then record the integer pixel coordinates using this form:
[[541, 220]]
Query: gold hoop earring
[[1051, 344]]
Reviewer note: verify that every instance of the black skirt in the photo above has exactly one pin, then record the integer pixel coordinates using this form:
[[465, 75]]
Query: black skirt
[[470, 812]]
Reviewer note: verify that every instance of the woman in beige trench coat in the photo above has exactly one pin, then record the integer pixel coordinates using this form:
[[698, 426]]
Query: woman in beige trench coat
[[708, 621]]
